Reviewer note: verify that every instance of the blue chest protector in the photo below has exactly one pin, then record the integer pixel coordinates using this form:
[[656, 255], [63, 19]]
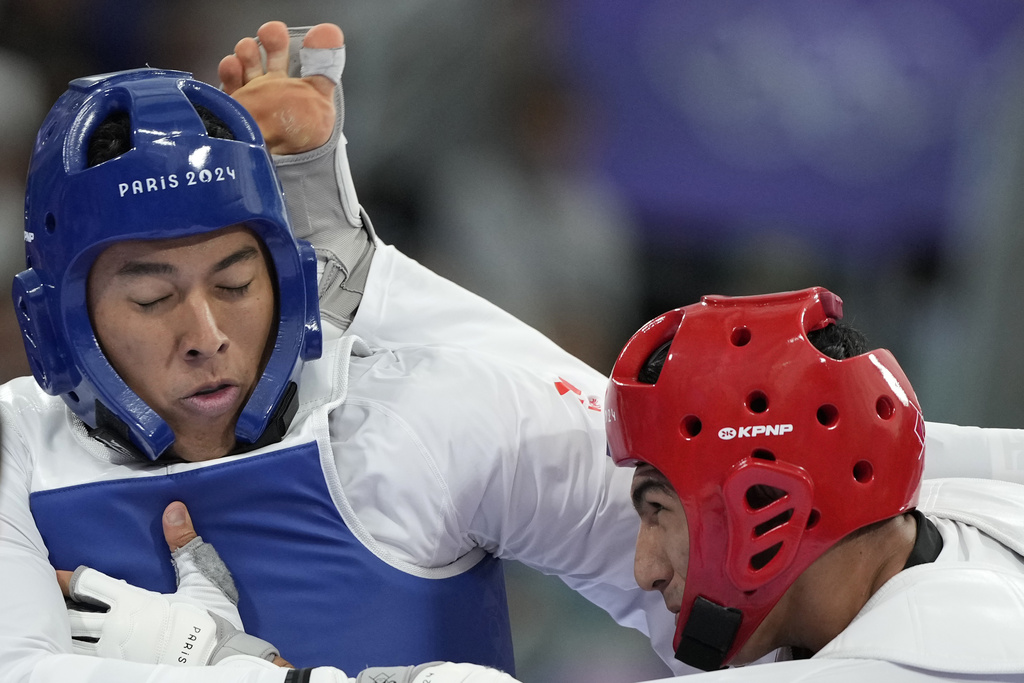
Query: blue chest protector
[[306, 583]]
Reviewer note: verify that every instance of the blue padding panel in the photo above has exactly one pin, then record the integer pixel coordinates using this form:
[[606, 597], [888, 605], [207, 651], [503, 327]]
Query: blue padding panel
[[306, 584]]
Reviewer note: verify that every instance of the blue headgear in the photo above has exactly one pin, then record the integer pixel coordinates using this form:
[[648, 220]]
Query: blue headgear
[[176, 181]]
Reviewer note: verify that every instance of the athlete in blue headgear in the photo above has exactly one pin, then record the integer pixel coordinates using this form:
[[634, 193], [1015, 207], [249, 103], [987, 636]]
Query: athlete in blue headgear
[[364, 529]]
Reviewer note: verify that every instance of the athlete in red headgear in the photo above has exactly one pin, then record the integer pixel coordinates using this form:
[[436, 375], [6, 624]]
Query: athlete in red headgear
[[778, 483]]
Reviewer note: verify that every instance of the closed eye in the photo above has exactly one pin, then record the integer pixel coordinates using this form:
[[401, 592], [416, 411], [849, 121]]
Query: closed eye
[[149, 305], [241, 290]]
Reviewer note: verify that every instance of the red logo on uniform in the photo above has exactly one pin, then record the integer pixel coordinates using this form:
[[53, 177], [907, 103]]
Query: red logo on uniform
[[591, 402]]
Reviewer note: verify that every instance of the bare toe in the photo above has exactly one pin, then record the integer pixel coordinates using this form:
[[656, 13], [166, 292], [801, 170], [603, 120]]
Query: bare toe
[[248, 53], [273, 36], [324, 36], [230, 73]]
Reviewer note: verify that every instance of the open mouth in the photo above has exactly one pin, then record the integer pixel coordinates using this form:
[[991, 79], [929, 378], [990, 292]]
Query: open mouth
[[212, 390], [213, 401]]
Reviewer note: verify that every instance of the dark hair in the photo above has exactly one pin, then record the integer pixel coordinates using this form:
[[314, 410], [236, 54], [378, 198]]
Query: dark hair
[[651, 370], [113, 137], [837, 341]]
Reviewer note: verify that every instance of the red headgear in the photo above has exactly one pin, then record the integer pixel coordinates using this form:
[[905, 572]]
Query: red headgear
[[744, 401]]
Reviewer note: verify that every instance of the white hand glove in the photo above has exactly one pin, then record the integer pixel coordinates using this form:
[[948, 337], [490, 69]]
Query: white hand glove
[[155, 628]]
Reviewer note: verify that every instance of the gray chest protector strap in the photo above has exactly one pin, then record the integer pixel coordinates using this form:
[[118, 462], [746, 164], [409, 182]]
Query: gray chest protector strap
[[321, 197]]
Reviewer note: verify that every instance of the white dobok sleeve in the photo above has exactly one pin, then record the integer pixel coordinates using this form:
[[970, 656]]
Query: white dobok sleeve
[[974, 452], [406, 304]]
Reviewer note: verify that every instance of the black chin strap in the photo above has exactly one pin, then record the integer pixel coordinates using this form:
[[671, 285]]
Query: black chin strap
[[112, 432], [708, 635], [278, 423], [928, 543]]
